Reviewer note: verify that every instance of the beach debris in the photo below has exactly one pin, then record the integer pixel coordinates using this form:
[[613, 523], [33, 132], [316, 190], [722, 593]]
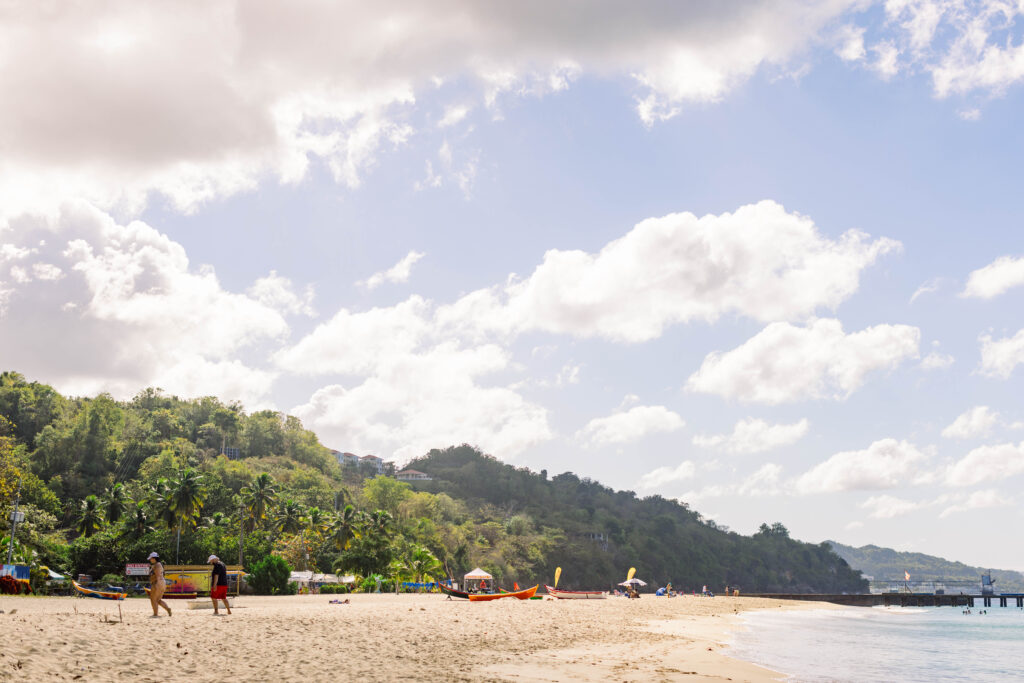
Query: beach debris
[[13, 612]]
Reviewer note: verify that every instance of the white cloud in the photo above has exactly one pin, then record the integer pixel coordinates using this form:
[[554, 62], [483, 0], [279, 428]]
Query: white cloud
[[997, 277], [965, 46], [453, 114], [399, 272], [785, 363], [763, 482], [888, 507], [112, 307], [885, 464], [851, 43], [978, 500], [667, 475], [760, 261], [46, 271], [937, 361], [999, 357], [987, 463], [357, 343], [629, 425], [278, 292], [752, 435], [412, 402], [886, 62], [978, 421], [237, 92], [925, 288]]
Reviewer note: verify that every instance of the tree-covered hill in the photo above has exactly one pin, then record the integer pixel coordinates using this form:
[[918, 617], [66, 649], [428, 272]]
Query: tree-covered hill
[[886, 564], [104, 482], [604, 531]]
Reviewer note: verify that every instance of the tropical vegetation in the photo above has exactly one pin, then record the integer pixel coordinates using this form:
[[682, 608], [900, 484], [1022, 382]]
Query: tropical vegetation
[[104, 482]]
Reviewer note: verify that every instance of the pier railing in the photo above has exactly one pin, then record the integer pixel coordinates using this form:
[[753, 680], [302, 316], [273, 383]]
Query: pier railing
[[901, 599]]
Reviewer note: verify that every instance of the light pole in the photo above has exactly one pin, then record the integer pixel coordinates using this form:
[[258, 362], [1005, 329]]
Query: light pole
[[15, 518], [241, 530]]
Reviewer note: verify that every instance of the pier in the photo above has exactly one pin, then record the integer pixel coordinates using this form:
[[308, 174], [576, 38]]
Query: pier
[[902, 599]]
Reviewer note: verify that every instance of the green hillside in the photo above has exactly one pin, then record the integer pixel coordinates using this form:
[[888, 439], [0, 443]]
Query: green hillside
[[104, 482], [604, 531], [886, 564]]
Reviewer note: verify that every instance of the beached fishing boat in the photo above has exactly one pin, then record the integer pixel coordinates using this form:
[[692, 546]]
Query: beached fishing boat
[[451, 592], [576, 595], [102, 595], [522, 595]]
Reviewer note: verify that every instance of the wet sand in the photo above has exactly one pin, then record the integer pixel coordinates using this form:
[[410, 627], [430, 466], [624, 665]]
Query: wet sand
[[378, 638]]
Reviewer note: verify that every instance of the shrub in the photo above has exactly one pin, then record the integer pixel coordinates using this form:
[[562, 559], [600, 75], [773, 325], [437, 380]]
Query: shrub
[[112, 579], [333, 589], [269, 576]]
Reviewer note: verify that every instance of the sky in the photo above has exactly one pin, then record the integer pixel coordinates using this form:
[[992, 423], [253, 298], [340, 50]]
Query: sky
[[763, 257]]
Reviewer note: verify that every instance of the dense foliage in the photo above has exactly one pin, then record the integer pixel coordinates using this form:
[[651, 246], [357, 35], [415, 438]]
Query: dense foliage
[[595, 533], [104, 482], [888, 565]]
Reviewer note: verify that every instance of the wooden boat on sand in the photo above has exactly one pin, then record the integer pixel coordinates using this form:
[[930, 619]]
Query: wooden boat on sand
[[102, 595], [576, 595], [522, 595], [451, 592]]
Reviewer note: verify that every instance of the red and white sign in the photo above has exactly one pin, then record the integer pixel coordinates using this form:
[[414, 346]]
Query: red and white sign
[[139, 569]]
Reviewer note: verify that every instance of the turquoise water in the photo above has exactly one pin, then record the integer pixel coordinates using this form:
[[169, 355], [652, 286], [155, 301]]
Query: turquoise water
[[886, 644]]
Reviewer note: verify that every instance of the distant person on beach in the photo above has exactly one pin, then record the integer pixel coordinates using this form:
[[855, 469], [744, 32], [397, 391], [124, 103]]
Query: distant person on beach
[[218, 583], [157, 585]]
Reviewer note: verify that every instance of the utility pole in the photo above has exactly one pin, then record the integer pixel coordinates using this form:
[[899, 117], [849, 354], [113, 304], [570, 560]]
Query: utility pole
[[15, 518], [241, 530]]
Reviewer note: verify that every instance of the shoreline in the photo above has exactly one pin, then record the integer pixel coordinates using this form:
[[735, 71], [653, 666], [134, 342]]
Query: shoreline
[[382, 637]]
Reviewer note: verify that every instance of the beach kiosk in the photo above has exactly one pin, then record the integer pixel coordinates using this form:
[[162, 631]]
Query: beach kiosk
[[478, 581]]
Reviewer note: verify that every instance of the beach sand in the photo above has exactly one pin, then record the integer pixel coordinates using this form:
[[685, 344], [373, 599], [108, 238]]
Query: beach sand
[[378, 638]]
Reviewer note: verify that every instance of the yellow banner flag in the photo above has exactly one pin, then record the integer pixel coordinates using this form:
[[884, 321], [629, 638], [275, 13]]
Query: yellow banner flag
[[558, 575], [632, 570]]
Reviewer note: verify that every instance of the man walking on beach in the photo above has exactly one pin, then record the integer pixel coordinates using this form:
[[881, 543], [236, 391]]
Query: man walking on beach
[[218, 584]]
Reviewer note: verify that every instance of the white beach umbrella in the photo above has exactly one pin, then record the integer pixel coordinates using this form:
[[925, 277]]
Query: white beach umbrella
[[633, 581]]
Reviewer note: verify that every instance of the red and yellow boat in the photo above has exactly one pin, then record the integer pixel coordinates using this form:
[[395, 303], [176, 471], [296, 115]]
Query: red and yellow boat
[[522, 595]]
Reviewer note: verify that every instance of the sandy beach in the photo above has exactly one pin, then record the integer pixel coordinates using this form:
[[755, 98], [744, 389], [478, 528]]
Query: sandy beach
[[377, 638]]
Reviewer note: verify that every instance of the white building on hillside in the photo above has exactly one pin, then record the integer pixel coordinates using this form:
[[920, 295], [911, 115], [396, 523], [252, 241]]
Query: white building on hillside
[[412, 475]]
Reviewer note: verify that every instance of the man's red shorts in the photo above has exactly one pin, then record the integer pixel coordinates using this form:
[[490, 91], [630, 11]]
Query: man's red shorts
[[219, 593]]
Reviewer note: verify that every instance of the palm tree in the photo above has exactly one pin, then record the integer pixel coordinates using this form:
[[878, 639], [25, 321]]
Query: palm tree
[[345, 527], [317, 521], [137, 521], [379, 523], [160, 502], [91, 517], [422, 563], [289, 519], [115, 503], [260, 497], [185, 498]]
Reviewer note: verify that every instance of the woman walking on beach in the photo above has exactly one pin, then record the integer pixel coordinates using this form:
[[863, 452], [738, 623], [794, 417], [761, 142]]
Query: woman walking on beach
[[157, 585]]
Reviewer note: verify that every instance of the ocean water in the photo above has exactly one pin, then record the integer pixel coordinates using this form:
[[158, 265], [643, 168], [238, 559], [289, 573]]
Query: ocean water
[[886, 644]]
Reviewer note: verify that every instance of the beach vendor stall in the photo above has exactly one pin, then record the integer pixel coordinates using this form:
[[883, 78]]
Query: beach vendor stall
[[188, 581], [478, 581]]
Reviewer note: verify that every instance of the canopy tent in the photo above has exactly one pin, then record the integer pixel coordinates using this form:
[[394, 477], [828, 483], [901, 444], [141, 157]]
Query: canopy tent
[[54, 576], [478, 581]]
